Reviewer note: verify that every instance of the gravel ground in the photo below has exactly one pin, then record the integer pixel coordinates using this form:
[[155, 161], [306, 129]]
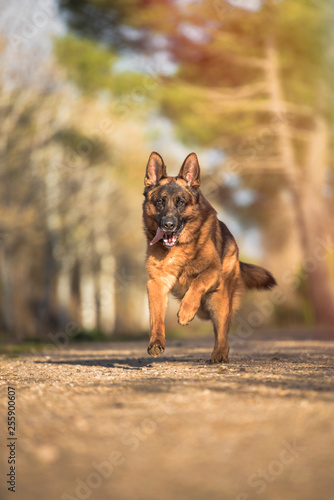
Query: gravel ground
[[106, 421]]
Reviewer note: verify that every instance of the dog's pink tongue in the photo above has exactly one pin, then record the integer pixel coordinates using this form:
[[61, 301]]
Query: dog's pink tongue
[[158, 236]]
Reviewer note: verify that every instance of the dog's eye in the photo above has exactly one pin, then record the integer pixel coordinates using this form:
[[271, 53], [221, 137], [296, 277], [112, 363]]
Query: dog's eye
[[159, 203], [180, 203]]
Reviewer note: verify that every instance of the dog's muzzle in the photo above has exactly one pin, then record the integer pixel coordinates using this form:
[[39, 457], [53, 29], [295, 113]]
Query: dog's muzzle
[[169, 238]]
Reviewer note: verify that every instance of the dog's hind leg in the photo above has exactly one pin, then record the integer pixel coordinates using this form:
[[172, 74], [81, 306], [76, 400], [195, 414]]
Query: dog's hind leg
[[220, 306]]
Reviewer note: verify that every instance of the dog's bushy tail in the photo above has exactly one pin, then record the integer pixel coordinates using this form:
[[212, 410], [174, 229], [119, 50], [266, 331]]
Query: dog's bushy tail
[[256, 277]]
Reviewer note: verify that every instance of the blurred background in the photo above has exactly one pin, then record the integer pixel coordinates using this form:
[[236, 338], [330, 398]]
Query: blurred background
[[90, 87]]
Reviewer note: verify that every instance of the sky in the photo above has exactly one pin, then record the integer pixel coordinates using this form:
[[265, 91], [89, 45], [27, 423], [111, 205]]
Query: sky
[[29, 26]]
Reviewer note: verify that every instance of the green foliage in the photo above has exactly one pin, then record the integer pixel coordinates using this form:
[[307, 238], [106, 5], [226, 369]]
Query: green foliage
[[89, 336], [178, 103], [90, 67], [87, 65], [120, 23], [127, 82], [303, 31], [28, 346]]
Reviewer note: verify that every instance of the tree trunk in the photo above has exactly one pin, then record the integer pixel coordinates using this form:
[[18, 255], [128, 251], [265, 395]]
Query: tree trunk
[[319, 223], [107, 294], [306, 186], [6, 319]]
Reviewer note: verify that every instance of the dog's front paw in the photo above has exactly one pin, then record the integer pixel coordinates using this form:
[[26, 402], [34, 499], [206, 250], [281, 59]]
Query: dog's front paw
[[219, 355], [186, 314], [155, 348]]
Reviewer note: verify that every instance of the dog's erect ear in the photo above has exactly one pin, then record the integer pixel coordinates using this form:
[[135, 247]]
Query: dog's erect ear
[[155, 170], [190, 171]]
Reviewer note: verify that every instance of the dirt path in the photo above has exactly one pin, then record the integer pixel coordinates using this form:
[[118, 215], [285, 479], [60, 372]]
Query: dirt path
[[108, 422]]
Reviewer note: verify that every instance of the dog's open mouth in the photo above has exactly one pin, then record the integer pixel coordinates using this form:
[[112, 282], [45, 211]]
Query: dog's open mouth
[[169, 238]]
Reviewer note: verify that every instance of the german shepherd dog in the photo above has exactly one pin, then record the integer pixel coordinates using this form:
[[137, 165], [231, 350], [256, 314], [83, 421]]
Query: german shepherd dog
[[191, 254]]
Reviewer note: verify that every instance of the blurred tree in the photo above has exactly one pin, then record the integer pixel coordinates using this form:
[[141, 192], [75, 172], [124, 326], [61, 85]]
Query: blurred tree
[[284, 82], [69, 239], [22, 214], [87, 65], [257, 85], [117, 23]]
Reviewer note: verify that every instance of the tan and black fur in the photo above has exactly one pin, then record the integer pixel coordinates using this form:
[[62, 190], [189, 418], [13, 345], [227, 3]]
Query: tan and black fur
[[191, 254]]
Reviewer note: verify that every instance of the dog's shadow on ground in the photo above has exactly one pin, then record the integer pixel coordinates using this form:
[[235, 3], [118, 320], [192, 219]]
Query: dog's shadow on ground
[[127, 363], [200, 359], [246, 370]]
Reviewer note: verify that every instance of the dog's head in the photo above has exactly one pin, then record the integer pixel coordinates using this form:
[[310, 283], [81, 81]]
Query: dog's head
[[170, 202]]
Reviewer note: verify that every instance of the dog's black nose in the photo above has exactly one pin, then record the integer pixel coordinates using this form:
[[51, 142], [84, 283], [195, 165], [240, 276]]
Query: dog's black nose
[[168, 223]]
